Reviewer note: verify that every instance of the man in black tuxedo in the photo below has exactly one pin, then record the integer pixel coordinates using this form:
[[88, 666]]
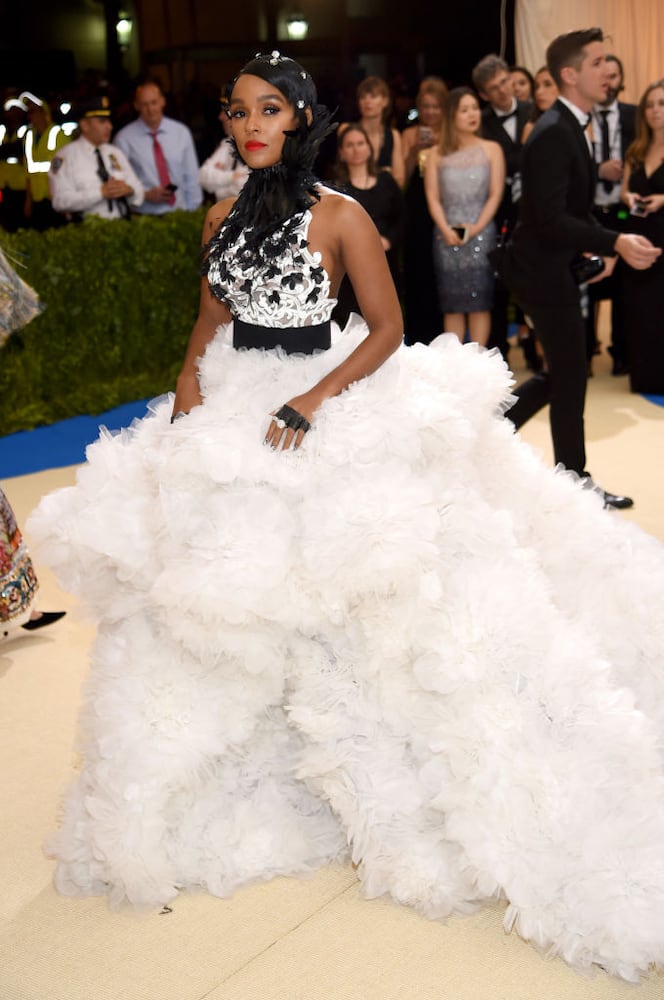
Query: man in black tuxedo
[[503, 120], [614, 127], [555, 224]]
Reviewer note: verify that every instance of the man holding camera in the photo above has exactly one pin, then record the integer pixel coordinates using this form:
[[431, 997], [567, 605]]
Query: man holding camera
[[555, 227], [161, 151]]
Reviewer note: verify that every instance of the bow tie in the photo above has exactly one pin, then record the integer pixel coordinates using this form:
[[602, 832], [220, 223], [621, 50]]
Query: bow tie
[[510, 114]]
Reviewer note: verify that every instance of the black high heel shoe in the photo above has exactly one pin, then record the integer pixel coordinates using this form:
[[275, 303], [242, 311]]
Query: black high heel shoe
[[45, 618]]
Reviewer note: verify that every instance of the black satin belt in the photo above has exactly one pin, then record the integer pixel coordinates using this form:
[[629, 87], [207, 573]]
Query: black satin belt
[[292, 339]]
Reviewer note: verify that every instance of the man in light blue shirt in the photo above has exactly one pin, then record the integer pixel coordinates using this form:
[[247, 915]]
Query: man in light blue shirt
[[162, 153]]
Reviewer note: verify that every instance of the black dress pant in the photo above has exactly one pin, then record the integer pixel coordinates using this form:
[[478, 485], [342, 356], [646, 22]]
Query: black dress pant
[[561, 332], [500, 319]]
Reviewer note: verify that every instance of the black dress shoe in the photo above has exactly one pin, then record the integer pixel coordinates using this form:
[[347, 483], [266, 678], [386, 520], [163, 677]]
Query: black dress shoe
[[610, 499], [45, 618], [618, 502]]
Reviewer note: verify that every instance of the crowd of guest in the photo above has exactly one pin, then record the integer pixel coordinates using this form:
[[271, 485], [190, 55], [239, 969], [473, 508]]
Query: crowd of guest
[[442, 191]]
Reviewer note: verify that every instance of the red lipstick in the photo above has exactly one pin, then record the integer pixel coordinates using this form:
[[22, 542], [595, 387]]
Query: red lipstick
[[253, 144]]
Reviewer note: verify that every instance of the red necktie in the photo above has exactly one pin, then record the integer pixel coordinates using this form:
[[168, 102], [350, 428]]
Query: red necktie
[[162, 166]]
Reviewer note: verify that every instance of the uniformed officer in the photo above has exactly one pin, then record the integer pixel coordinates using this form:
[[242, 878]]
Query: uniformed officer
[[90, 176]]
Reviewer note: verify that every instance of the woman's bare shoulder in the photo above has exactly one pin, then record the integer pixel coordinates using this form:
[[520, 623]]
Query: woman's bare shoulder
[[337, 216], [333, 202], [491, 147]]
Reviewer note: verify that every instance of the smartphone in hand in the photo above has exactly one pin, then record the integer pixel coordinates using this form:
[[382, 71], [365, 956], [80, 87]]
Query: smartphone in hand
[[461, 231]]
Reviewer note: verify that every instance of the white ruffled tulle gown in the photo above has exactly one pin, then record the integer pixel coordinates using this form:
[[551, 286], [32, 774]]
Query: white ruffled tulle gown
[[408, 641]]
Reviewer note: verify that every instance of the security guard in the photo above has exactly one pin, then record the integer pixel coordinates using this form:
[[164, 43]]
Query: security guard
[[13, 174], [42, 141], [90, 176]]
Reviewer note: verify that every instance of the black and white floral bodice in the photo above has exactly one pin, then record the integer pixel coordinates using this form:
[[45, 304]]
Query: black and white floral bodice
[[287, 288]]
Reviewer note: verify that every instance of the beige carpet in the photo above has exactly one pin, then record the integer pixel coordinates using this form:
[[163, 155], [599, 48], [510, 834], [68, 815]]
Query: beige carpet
[[291, 939]]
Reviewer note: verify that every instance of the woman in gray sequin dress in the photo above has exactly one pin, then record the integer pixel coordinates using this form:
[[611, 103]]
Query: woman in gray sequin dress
[[464, 184]]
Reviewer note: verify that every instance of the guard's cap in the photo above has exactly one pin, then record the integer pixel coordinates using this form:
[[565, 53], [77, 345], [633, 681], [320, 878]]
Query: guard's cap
[[95, 107]]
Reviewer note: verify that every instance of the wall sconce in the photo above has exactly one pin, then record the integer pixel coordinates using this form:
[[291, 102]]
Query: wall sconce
[[297, 26], [123, 31]]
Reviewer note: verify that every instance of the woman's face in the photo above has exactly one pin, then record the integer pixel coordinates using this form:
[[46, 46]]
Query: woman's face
[[354, 149], [260, 114], [372, 104], [545, 90], [521, 85], [654, 108], [467, 116], [429, 111]]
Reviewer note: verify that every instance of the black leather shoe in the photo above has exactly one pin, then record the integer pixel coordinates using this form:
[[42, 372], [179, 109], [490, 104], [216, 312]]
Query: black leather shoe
[[618, 502], [45, 618], [610, 499]]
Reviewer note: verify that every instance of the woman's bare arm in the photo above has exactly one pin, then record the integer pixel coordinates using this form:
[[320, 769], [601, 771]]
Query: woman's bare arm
[[496, 188], [434, 203], [355, 247], [211, 314]]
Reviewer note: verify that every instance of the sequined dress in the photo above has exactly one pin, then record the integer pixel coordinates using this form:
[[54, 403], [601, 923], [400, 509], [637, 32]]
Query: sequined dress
[[19, 303], [464, 273], [18, 580], [316, 655]]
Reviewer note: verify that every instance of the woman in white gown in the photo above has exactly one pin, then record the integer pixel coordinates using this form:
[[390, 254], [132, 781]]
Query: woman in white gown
[[309, 650]]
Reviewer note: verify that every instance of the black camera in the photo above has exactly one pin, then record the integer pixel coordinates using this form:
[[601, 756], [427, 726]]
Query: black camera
[[584, 268]]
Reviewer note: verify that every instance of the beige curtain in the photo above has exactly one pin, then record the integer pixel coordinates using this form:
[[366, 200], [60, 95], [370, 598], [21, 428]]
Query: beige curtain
[[635, 29]]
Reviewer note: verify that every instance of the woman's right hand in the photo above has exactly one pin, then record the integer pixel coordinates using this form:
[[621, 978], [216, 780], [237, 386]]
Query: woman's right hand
[[187, 394], [631, 199]]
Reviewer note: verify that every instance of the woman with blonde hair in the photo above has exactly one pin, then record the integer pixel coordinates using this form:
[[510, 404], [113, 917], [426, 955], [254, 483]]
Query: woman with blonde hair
[[418, 139], [423, 317], [464, 183]]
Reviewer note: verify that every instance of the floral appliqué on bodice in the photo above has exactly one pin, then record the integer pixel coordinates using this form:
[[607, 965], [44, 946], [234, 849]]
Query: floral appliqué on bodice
[[277, 288]]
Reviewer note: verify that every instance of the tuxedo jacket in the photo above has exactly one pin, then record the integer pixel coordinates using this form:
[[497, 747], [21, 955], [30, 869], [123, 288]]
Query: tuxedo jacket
[[512, 149], [555, 211]]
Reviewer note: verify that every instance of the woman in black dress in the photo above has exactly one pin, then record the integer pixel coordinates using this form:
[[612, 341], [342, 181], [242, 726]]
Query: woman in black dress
[[423, 316], [643, 192], [374, 103], [380, 196]]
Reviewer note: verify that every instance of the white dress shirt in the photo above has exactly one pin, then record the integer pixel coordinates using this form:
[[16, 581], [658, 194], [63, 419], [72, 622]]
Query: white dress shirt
[[135, 140], [602, 196], [76, 185], [508, 119]]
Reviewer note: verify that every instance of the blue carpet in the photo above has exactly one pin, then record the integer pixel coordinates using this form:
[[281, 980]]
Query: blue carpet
[[64, 443], [60, 444]]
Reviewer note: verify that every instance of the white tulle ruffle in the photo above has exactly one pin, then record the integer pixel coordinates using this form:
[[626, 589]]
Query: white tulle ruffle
[[408, 640]]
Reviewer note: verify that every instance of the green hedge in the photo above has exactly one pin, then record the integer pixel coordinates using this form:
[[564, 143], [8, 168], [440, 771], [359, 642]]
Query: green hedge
[[120, 300]]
